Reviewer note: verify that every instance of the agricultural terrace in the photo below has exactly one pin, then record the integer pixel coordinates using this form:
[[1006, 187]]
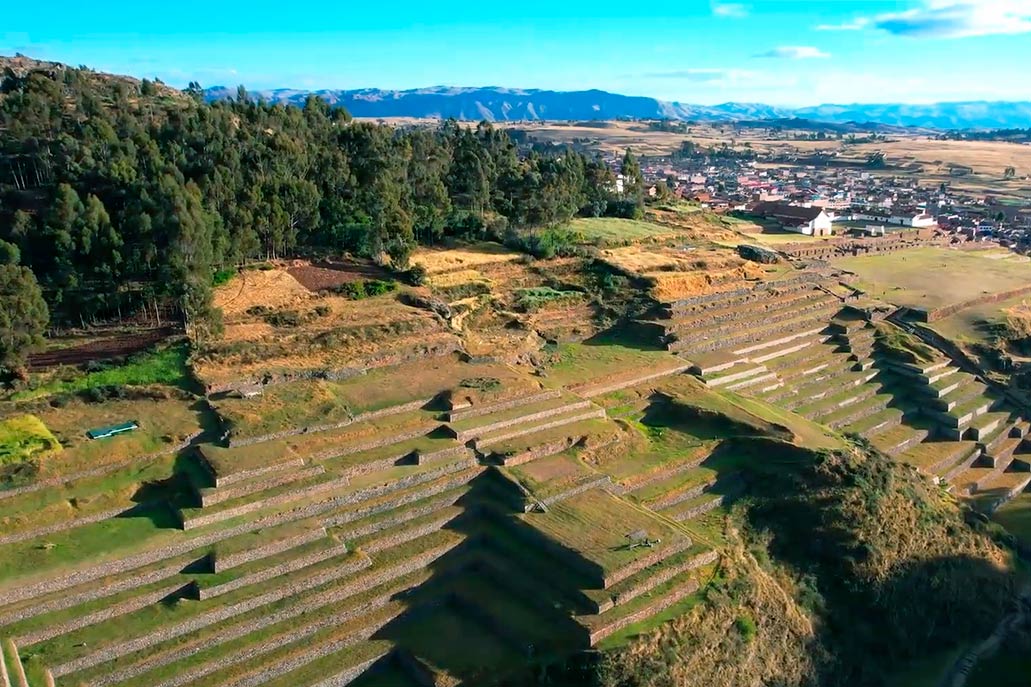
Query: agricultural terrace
[[984, 322], [931, 278]]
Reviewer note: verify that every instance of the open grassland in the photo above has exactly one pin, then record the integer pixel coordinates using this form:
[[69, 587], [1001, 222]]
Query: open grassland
[[604, 355], [934, 277]]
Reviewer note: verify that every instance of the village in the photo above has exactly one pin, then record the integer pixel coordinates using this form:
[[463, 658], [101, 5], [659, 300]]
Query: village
[[802, 195]]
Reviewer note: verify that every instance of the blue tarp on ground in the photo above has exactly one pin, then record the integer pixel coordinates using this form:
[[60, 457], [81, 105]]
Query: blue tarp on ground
[[110, 431]]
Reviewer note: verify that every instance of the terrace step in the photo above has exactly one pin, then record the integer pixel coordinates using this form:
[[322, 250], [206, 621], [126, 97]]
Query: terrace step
[[753, 319], [674, 590], [331, 588], [488, 440], [938, 457], [989, 426], [479, 426], [647, 579], [894, 439], [957, 396], [998, 490], [765, 382], [833, 380], [491, 408], [735, 373], [836, 399], [720, 312], [705, 503], [956, 421], [882, 429], [853, 413], [1002, 452], [210, 496]]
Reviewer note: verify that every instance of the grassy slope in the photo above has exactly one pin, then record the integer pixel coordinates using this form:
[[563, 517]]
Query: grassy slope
[[24, 436]]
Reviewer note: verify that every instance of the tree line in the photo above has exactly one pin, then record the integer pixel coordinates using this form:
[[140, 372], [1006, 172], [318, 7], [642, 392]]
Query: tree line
[[119, 196]]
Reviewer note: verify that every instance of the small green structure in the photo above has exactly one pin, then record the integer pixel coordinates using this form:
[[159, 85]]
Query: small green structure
[[112, 430]]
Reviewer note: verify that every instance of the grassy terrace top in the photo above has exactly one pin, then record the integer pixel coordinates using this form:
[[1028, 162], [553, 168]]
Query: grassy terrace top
[[301, 404], [934, 277]]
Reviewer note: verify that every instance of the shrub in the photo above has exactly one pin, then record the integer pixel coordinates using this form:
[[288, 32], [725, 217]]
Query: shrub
[[745, 625], [357, 290], [481, 383], [223, 276]]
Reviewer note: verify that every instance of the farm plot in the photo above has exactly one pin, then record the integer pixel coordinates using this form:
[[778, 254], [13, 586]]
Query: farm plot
[[464, 258], [328, 275]]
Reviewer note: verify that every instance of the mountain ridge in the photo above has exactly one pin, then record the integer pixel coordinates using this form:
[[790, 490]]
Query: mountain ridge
[[496, 103]]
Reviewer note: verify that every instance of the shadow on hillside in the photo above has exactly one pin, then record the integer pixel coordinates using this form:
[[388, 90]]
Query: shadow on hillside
[[823, 522], [485, 610], [628, 335]]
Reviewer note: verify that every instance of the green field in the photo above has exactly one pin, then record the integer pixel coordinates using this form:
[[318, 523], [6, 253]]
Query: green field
[[916, 278], [165, 366], [1015, 516], [614, 230]]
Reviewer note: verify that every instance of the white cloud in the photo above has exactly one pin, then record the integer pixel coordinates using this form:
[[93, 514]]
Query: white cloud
[[708, 76], [729, 9], [795, 52], [953, 19], [854, 25]]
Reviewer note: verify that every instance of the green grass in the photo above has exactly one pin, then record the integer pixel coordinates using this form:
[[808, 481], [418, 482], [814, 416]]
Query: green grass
[[166, 366], [614, 230], [23, 437], [1015, 516], [535, 298], [914, 277], [605, 355]]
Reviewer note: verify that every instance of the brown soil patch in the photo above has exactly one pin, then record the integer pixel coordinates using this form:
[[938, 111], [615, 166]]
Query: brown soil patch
[[327, 275], [272, 288]]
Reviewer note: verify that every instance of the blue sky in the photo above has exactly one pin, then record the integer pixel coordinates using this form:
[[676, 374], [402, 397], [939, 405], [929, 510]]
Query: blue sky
[[786, 52]]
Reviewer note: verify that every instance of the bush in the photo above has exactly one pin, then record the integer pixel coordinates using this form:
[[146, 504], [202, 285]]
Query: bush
[[416, 275], [357, 290], [745, 625], [223, 276]]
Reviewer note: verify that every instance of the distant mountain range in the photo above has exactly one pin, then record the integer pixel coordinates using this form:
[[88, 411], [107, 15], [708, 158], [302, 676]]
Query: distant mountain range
[[508, 104]]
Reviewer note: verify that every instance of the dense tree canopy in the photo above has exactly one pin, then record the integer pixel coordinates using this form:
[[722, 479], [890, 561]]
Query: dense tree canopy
[[23, 314], [120, 195]]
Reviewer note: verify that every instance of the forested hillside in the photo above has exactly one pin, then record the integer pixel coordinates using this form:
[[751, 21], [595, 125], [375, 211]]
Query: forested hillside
[[122, 195]]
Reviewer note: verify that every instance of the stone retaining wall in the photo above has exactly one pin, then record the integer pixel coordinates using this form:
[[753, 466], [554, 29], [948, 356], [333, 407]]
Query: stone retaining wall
[[478, 411], [593, 414], [232, 632], [671, 499], [97, 472], [643, 562], [190, 523], [293, 565], [222, 481], [466, 435], [443, 454], [745, 318], [113, 611], [943, 312], [762, 321], [643, 480], [222, 563], [360, 513], [660, 605], [702, 508], [535, 537], [63, 526], [578, 489], [431, 506], [594, 388], [407, 534], [664, 575], [312, 429], [725, 312], [91, 594], [212, 496], [220, 614], [536, 452]]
